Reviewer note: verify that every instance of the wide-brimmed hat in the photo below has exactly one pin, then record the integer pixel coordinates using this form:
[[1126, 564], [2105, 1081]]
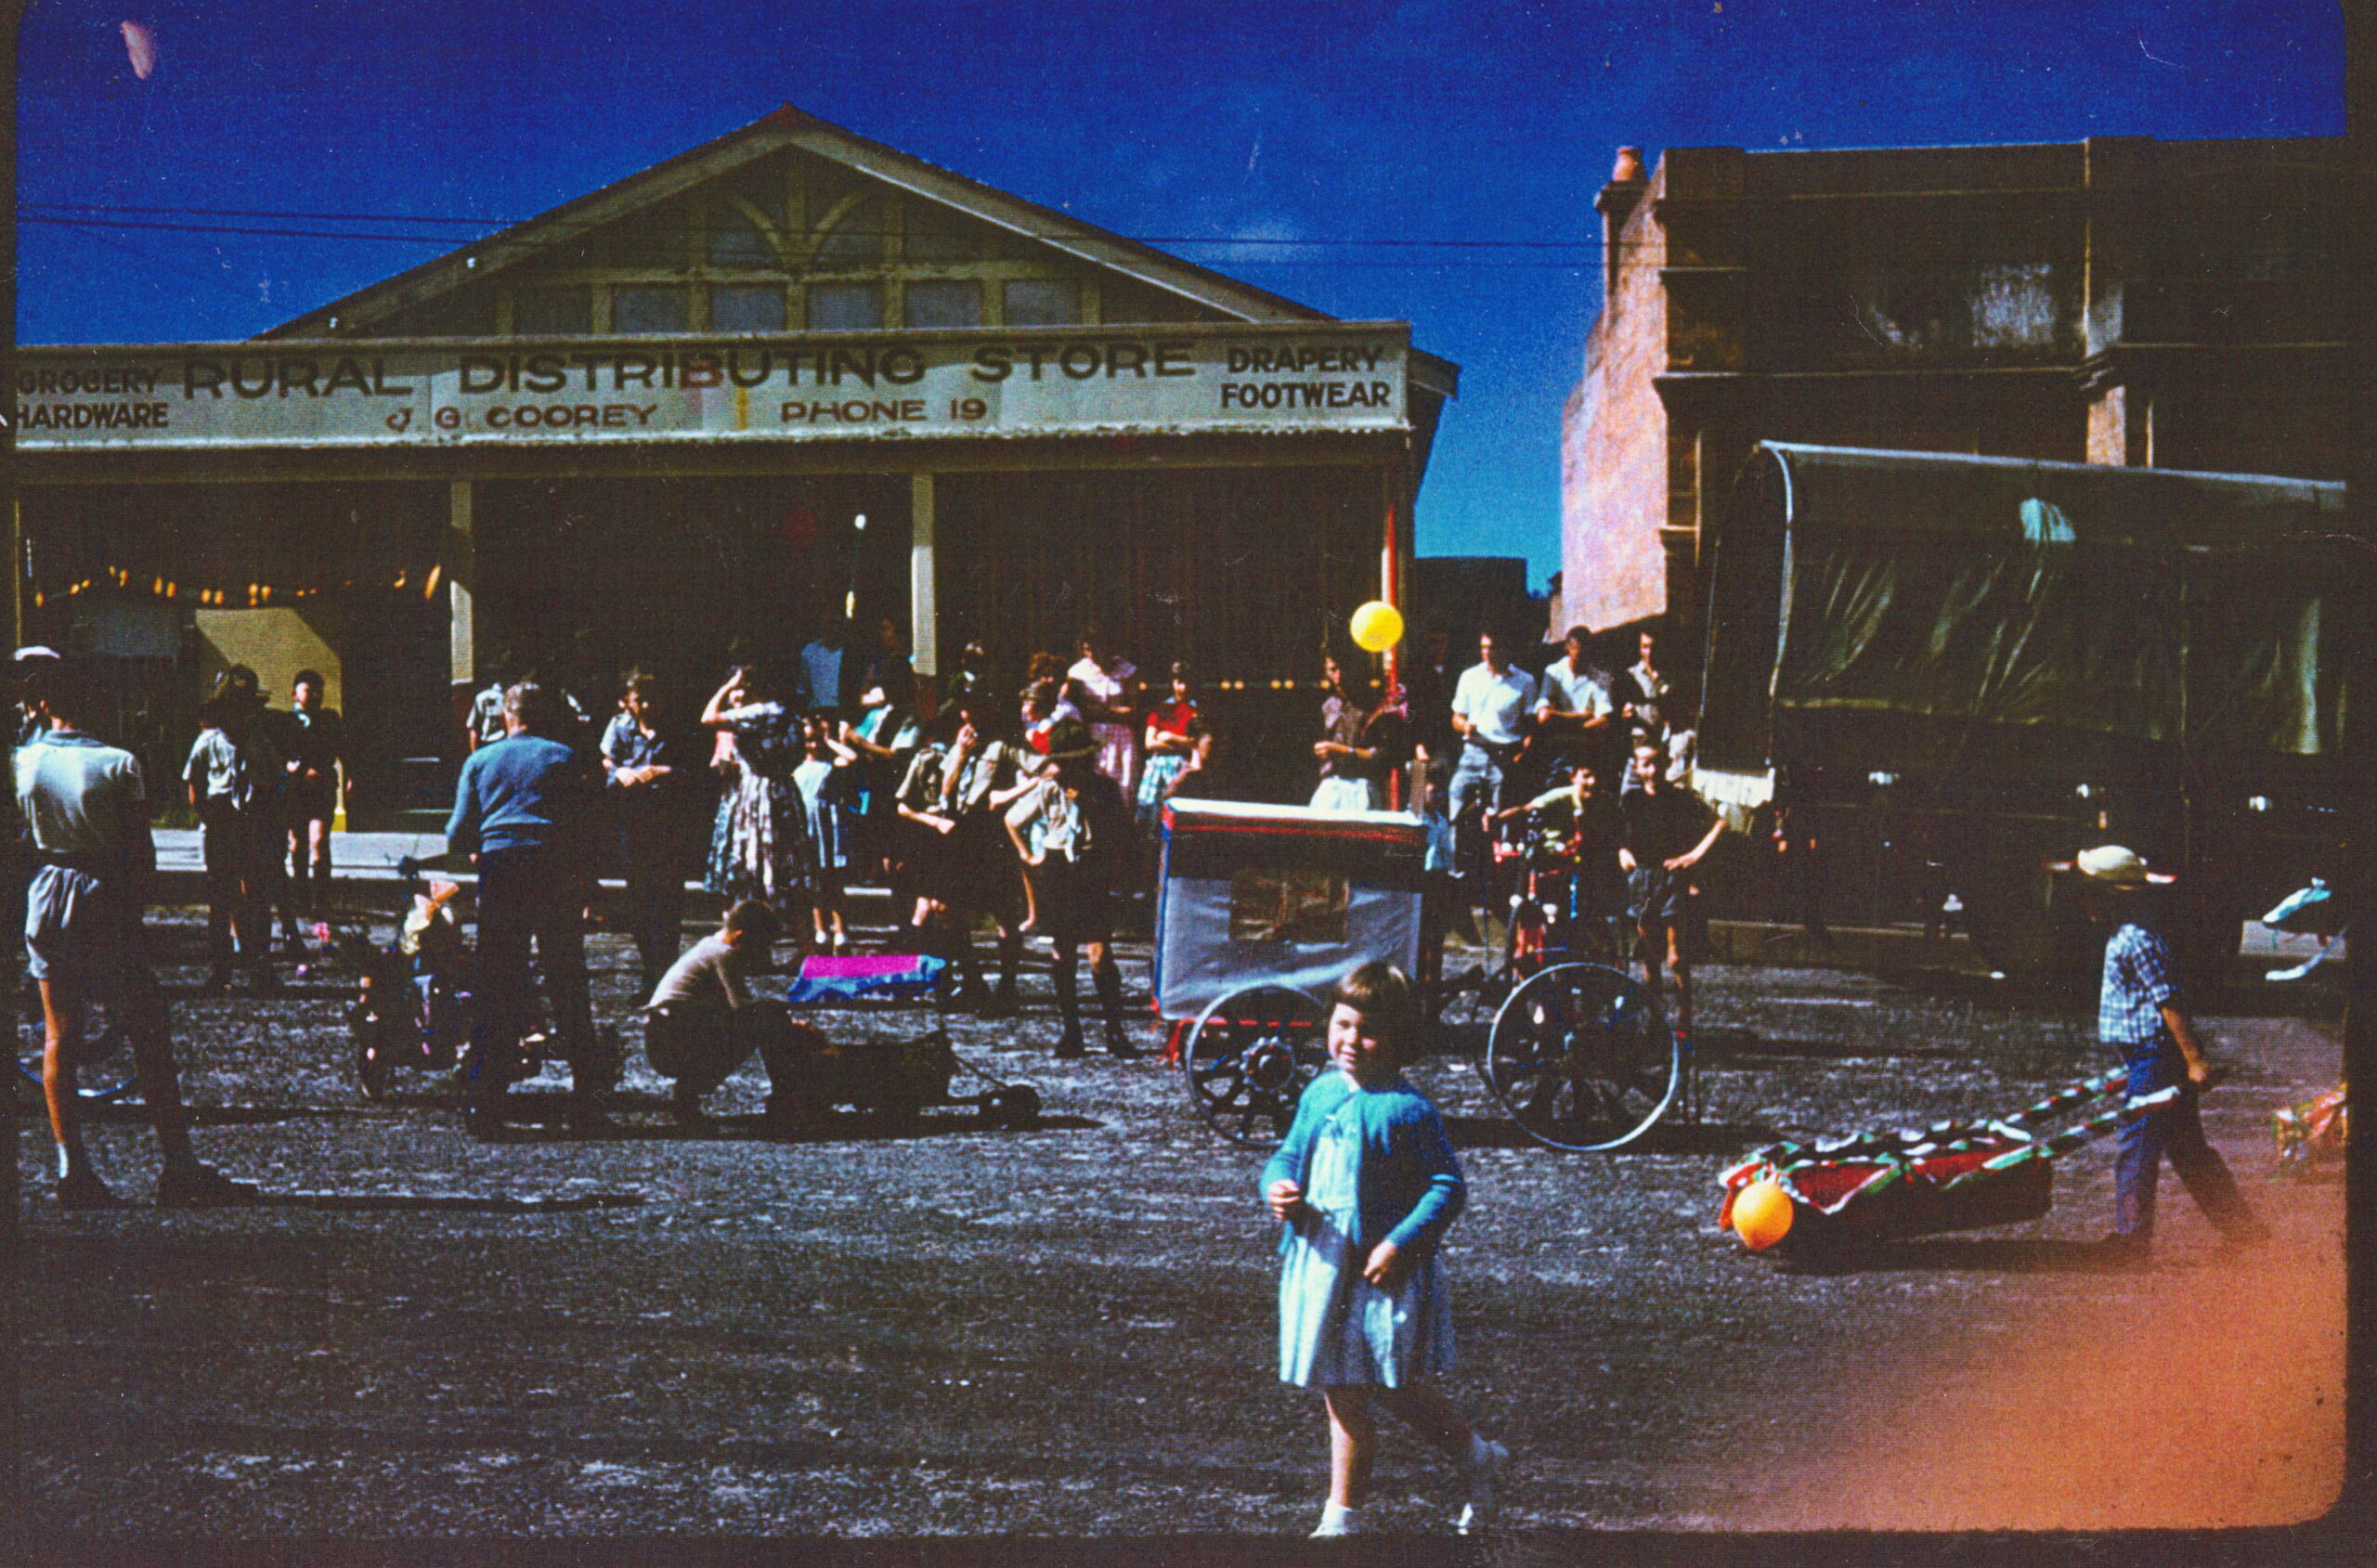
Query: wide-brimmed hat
[[1068, 740], [2114, 865]]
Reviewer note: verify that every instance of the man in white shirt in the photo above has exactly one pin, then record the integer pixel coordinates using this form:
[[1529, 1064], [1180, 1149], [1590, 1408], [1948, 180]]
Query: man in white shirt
[[1573, 711], [702, 1023], [1491, 705]]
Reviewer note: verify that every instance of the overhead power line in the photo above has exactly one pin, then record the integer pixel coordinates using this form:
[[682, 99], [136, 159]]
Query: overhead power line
[[52, 212]]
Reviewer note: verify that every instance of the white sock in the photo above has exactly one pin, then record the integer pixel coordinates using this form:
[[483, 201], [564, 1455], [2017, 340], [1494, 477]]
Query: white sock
[[1336, 1515]]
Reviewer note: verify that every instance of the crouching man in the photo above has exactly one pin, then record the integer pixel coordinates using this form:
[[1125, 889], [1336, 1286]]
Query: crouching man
[[702, 1023]]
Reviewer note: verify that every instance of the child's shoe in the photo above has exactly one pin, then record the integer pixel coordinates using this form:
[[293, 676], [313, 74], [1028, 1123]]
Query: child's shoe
[[1484, 1472], [1338, 1521]]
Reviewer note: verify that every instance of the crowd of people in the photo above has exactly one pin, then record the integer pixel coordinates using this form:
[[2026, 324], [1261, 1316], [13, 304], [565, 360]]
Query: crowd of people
[[1018, 809], [1021, 810], [1028, 824]]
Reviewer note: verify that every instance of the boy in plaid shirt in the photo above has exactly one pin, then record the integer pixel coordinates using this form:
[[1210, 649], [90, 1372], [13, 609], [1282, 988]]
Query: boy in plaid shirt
[[2141, 1014]]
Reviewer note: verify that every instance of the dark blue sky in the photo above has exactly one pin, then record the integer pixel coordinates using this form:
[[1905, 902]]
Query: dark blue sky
[[1325, 123]]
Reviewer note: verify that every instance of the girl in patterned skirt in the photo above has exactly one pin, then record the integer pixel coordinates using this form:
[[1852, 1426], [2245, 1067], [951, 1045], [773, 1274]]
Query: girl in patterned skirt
[[1365, 1185]]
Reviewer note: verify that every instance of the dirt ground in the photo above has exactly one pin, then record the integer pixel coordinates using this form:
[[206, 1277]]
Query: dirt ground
[[1067, 1331]]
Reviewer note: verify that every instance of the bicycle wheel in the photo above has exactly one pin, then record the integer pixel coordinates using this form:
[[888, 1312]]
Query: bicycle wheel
[[1249, 1059], [1582, 1059], [104, 1058]]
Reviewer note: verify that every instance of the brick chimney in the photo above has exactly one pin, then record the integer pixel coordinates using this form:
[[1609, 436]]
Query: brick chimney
[[1616, 204]]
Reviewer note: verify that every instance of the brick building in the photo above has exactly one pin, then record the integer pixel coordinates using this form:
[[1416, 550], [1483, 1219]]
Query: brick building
[[2121, 300]]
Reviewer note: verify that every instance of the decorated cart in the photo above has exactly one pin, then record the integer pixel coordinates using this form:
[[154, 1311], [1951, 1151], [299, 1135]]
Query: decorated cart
[[895, 1078], [1804, 1197], [1262, 909]]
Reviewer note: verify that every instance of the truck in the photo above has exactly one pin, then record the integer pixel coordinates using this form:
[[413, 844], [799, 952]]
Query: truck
[[1948, 673]]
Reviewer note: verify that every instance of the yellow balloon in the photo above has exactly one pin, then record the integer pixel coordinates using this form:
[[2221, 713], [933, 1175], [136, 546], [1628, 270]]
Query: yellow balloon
[[1378, 626], [1761, 1215]]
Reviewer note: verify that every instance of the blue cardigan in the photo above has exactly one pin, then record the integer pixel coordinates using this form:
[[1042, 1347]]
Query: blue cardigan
[[1410, 1185]]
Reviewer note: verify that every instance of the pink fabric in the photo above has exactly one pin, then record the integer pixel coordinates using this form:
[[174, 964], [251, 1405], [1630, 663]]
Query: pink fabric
[[857, 967]]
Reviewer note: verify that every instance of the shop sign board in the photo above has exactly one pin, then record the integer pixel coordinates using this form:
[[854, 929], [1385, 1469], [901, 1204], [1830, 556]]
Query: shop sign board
[[1124, 379]]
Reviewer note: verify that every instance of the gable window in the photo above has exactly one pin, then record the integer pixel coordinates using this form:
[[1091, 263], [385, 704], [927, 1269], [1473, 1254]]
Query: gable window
[[944, 304], [645, 308], [857, 240], [736, 242], [552, 312], [837, 307], [1042, 302], [746, 310]]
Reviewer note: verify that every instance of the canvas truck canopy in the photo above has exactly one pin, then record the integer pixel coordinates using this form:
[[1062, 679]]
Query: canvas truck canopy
[[1900, 609]]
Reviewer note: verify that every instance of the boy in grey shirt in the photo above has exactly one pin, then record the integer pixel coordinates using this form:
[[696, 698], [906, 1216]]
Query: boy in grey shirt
[[87, 819]]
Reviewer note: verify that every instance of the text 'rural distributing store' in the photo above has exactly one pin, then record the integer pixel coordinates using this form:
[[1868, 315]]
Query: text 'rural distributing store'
[[696, 416]]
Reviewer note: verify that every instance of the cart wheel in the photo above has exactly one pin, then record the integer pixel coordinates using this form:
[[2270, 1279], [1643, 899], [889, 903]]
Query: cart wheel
[[1017, 1105], [1249, 1059], [1583, 1059], [105, 1058]]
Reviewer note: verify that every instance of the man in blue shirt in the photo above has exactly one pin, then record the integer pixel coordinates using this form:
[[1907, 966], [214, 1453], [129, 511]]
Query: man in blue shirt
[[521, 810], [2139, 1014]]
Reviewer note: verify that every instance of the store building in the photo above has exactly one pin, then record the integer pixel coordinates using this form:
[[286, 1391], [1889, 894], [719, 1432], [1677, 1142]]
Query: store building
[[789, 379], [2121, 300]]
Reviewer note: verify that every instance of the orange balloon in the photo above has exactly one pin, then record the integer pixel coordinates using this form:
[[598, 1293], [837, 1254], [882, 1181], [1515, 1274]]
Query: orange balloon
[[1762, 1214]]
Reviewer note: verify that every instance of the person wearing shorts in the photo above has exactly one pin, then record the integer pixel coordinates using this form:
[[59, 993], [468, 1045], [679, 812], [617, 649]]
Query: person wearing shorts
[[86, 814], [1668, 832], [312, 741]]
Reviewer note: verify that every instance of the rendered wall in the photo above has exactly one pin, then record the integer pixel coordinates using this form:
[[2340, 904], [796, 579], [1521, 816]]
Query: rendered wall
[[1612, 447]]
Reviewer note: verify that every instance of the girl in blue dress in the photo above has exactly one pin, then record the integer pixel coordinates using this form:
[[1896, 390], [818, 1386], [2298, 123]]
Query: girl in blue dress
[[828, 780], [1364, 1186]]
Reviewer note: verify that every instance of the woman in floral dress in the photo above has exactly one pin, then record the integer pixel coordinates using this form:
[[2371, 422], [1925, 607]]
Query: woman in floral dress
[[760, 845]]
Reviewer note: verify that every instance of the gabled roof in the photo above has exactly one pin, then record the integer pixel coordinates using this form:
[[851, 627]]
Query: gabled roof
[[791, 128]]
